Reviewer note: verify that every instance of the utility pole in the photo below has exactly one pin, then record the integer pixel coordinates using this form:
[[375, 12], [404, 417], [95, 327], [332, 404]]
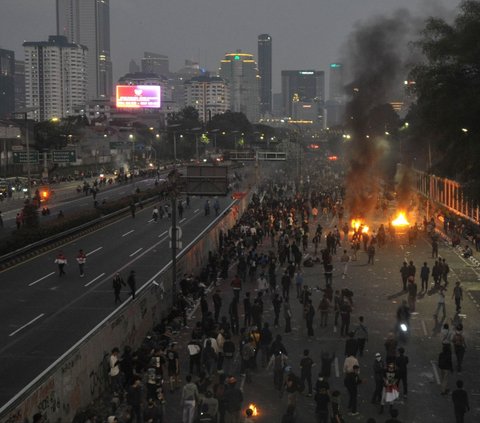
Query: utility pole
[[174, 236]]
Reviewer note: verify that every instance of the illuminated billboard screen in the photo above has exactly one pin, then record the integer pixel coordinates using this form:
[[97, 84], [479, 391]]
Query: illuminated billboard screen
[[138, 96]]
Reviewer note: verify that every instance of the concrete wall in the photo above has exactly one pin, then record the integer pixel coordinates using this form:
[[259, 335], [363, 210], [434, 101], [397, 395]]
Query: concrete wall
[[81, 374]]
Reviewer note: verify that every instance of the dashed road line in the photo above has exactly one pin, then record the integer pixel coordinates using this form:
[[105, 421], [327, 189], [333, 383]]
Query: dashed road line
[[41, 279], [435, 372], [424, 327], [136, 252], [95, 279], [337, 370], [162, 234], [94, 251], [128, 233], [27, 324]]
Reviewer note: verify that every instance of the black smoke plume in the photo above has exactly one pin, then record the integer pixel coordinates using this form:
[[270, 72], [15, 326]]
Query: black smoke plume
[[377, 56]]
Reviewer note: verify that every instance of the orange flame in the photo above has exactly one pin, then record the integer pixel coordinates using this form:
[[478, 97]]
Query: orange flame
[[401, 220], [254, 408], [357, 223]]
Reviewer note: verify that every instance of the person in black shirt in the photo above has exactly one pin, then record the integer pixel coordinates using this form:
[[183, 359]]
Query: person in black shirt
[[247, 308], [460, 402], [306, 364], [401, 362]]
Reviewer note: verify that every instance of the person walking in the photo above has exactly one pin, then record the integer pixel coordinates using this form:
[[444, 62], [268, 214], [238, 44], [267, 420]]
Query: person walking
[[233, 313], [459, 346], [345, 259], [277, 306], [189, 400], [233, 399], [434, 248], [446, 367], [351, 345], [351, 382], [378, 375], [132, 283], [440, 303], [134, 399], [81, 260], [458, 296], [61, 262], [118, 282], [306, 364], [287, 314], [404, 274], [424, 275], [460, 402], [324, 308], [247, 310], [445, 271], [401, 363], [390, 387], [217, 304], [361, 335], [371, 254], [345, 312], [412, 289], [309, 315]]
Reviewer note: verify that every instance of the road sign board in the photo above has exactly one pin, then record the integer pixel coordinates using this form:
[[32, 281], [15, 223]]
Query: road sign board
[[179, 232], [63, 156], [114, 145], [20, 157]]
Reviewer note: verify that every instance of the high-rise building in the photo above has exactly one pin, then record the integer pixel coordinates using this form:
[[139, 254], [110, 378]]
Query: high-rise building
[[55, 77], [336, 89], [7, 82], [209, 95], [335, 105], [19, 85], [155, 63], [302, 85], [265, 72], [87, 22], [241, 73]]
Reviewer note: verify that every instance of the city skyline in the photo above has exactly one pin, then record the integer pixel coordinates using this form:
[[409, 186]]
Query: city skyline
[[309, 34]]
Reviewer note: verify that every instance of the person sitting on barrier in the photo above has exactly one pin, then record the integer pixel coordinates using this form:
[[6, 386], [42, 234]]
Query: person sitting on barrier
[[467, 252]]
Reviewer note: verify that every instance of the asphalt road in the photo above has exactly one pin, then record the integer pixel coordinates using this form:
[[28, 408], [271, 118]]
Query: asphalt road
[[43, 314], [377, 295]]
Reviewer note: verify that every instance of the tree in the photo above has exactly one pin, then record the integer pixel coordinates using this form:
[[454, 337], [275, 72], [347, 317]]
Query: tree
[[445, 114]]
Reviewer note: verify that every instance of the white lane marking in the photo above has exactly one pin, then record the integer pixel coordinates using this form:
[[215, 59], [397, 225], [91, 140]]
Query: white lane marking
[[151, 220], [136, 252], [242, 383], [183, 220], [196, 211], [94, 251], [435, 372], [95, 279], [41, 279], [29, 323], [424, 327], [162, 234], [337, 370], [128, 233]]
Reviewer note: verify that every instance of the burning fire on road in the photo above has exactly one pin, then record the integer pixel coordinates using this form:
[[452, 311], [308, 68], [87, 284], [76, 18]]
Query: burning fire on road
[[359, 225], [400, 220]]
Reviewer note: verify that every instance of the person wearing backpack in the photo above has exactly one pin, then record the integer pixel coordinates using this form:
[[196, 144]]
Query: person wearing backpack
[[361, 335], [459, 346], [247, 354]]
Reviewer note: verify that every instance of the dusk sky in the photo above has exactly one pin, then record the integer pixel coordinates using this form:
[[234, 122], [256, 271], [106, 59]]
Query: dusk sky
[[306, 33]]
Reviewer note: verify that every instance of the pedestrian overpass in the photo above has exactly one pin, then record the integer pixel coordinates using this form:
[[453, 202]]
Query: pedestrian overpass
[[257, 156]]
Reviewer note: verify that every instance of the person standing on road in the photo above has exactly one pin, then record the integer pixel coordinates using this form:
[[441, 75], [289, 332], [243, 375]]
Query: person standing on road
[[458, 296], [189, 400], [132, 209], [378, 374], [118, 282], [233, 399], [446, 367], [402, 362], [81, 260], [460, 402], [217, 304], [61, 261], [361, 335], [306, 364], [404, 274], [459, 346], [351, 382], [345, 312], [424, 274], [371, 254], [132, 283], [309, 312], [434, 248], [345, 259], [440, 303], [412, 293], [277, 306], [287, 312], [233, 313]]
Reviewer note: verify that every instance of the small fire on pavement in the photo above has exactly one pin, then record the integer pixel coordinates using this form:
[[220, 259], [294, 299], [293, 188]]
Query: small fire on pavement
[[357, 224], [254, 409], [400, 220]]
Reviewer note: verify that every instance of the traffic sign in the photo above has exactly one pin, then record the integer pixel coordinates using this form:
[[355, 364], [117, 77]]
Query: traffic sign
[[20, 157], [114, 145], [63, 156], [179, 233]]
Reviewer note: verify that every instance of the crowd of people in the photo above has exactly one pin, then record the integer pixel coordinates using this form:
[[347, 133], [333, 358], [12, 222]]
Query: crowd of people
[[259, 267]]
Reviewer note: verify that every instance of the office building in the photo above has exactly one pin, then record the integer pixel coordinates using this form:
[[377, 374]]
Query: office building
[[265, 72], [209, 95], [302, 85], [241, 73], [133, 67], [55, 77], [7, 82], [155, 63], [87, 22], [19, 85], [336, 88]]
